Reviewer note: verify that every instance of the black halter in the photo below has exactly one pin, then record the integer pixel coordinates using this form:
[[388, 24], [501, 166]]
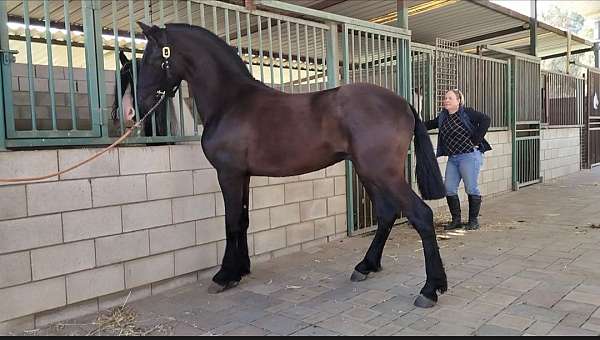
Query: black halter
[[166, 66]]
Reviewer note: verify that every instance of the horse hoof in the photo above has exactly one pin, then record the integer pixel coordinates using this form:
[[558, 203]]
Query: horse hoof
[[216, 288], [423, 302], [358, 276]]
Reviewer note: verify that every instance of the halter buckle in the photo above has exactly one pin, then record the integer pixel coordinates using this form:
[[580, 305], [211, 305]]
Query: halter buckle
[[166, 52]]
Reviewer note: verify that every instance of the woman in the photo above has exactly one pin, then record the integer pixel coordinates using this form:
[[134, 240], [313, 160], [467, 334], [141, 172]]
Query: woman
[[461, 132]]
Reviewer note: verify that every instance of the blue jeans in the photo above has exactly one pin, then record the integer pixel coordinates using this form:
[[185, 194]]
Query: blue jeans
[[464, 166]]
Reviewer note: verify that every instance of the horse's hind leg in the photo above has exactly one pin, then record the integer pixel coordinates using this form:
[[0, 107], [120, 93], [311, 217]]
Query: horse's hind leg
[[236, 262], [421, 217], [386, 215]]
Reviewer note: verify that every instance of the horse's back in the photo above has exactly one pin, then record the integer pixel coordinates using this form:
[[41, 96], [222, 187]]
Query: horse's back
[[368, 105]]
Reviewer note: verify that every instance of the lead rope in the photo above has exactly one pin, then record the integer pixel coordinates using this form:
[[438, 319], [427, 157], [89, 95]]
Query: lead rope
[[94, 156]]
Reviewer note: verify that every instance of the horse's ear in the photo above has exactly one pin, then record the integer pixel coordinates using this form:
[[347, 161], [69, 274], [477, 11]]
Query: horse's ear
[[149, 31], [123, 58]]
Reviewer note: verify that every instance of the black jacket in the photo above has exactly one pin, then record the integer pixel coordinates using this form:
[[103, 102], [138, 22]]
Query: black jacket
[[475, 122]]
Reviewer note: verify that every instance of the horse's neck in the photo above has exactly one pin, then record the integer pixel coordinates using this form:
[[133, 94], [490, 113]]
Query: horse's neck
[[214, 84]]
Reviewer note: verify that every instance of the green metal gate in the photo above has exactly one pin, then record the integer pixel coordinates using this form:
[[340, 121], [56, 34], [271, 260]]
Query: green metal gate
[[45, 108], [378, 55], [526, 110]]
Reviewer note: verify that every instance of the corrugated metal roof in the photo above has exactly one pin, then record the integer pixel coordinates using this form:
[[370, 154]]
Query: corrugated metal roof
[[460, 20], [457, 20]]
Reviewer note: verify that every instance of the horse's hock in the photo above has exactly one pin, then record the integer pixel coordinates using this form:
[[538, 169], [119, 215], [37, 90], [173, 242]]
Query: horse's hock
[[145, 219]]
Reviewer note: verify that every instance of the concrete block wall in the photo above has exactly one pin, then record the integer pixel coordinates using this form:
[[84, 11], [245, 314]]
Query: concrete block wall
[[140, 219], [560, 152]]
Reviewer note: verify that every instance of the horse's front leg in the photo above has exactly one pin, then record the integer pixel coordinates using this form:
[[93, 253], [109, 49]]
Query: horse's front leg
[[236, 262]]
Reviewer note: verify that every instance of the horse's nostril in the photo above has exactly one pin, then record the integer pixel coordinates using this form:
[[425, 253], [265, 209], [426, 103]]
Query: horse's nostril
[[130, 115]]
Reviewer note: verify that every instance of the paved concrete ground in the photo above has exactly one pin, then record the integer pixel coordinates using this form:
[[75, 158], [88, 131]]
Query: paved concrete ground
[[534, 268]]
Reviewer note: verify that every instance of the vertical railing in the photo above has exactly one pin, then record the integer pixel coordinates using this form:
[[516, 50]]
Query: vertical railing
[[381, 58], [527, 122], [422, 96], [562, 100], [4, 47], [482, 81]]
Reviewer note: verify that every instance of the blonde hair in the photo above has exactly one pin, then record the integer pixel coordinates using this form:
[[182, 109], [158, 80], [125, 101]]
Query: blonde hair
[[459, 95]]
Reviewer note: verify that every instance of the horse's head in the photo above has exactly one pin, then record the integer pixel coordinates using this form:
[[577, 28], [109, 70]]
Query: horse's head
[[127, 91], [158, 69]]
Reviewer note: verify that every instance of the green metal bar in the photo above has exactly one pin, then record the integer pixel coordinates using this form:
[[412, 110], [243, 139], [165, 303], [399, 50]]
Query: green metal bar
[[298, 56], [260, 49], [379, 59], [332, 44], [430, 89], [360, 63], [215, 23], [239, 33], [118, 68], [307, 59], [352, 57], [332, 81], [193, 108], [4, 46], [227, 40], [250, 54], [325, 16], [91, 57], [30, 73], [100, 119], [385, 56], [324, 58], [398, 67], [316, 78], [52, 134], [134, 66], [167, 106], [179, 92], [402, 14], [281, 82], [367, 57], [35, 141], [373, 58], [290, 61], [50, 65], [345, 56], [202, 19], [269, 28], [408, 91], [511, 110], [161, 8], [70, 66], [146, 12]]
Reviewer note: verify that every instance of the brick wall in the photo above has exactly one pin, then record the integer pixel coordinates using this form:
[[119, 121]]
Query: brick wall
[[139, 218]]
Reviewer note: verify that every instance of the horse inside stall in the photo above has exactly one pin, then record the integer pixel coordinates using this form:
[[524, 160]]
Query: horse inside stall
[[129, 109], [251, 129]]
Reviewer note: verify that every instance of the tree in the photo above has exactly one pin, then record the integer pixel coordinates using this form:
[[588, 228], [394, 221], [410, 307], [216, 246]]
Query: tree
[[575, 23]]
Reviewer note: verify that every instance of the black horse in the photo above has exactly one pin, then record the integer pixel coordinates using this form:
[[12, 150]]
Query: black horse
[[251, 129], [128, 112]]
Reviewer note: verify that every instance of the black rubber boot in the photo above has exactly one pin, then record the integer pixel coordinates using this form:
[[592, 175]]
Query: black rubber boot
[[454, 206], [474, 205]]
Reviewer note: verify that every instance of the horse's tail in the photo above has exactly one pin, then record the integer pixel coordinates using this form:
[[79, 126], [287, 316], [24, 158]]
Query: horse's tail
[[429, 177]]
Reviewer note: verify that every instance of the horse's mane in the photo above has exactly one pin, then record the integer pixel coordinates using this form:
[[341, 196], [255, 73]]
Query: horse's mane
[[227, 54]]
